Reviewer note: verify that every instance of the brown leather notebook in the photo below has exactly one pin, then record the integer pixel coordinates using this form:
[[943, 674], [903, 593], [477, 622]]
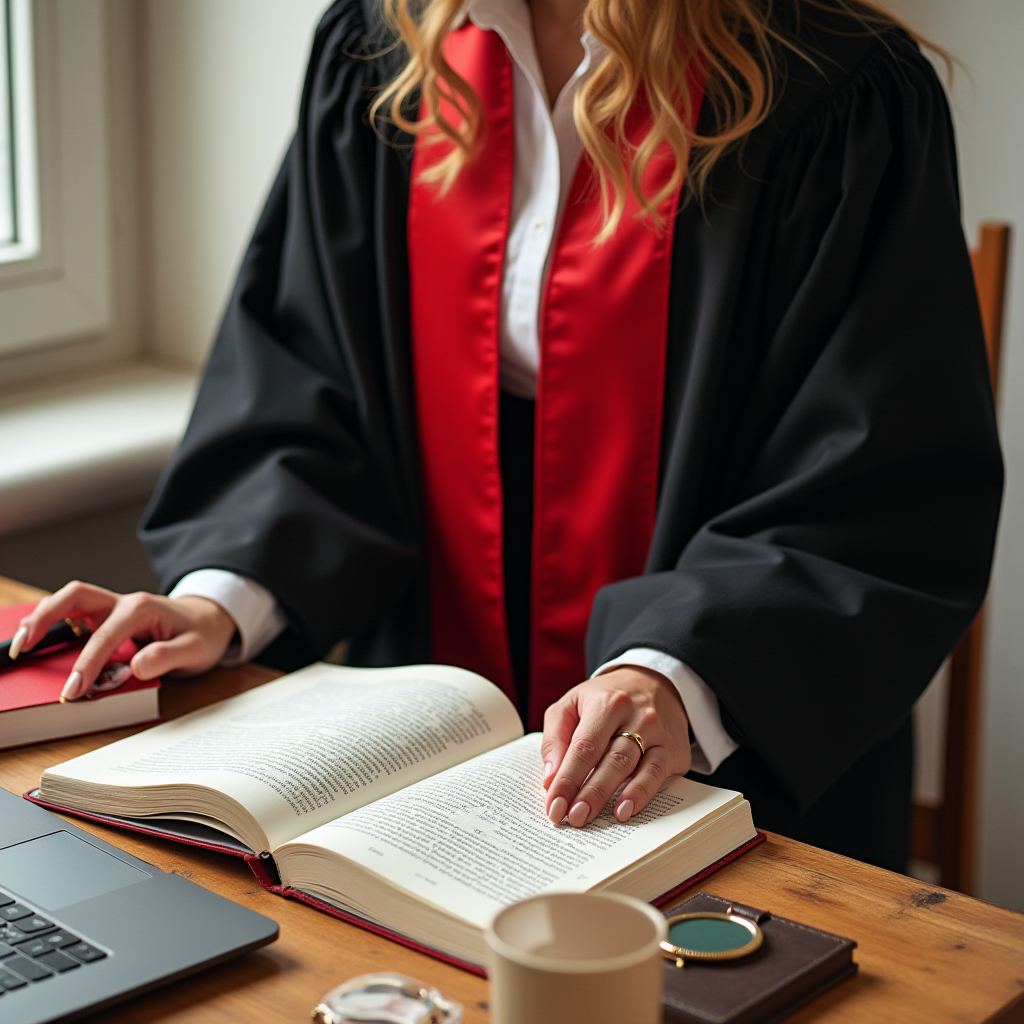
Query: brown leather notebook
[[794, 965]]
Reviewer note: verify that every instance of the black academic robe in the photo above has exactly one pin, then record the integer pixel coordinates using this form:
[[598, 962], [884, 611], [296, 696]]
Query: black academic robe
[[831, 473]]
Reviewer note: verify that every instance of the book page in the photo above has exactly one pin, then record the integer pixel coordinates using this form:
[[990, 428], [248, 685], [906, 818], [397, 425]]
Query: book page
[[298, 751], [475, 838]]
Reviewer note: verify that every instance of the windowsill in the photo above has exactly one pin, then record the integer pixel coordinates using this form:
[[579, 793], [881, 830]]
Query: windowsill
[[91, 443]]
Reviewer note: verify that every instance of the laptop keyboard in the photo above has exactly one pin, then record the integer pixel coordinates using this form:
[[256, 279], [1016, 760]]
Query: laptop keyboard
[[33, 948]]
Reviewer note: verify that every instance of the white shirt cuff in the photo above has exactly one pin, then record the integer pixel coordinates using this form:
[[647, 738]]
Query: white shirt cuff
[[711, 744], [255, 610]]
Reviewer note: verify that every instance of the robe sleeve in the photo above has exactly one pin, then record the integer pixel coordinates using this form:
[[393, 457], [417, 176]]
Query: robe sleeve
[[289, 473], [853, 541]]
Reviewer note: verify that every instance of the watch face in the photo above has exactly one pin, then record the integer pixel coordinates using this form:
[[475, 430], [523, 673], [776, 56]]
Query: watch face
[[386, 999]]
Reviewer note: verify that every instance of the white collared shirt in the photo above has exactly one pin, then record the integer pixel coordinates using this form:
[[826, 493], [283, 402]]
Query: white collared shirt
[[547, 152]]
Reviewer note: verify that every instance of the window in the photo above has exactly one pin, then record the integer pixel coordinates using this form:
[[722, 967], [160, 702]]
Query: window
[[8, 214], [55, 221], [19, 208]]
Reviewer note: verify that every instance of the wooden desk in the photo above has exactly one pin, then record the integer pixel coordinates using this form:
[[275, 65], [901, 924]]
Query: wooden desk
[[926, 954]]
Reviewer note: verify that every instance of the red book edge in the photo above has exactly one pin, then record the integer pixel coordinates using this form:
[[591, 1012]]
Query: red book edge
[[266, 874], [11, 614], [88, 732]]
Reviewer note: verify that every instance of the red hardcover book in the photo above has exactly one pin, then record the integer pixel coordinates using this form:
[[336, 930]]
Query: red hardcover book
[[406, 801], [30, 707], [262, 866]]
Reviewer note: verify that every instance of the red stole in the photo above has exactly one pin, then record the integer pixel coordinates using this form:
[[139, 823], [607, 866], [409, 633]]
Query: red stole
[[603, 332]]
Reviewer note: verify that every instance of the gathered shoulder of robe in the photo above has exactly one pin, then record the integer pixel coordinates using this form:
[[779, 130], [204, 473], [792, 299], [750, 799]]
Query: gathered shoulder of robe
[[831, 473]]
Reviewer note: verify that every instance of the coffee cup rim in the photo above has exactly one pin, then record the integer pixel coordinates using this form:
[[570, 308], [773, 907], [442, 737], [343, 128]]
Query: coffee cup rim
[[590, 965]]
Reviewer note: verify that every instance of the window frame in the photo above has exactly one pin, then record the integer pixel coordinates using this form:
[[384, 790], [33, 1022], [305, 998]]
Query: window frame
[[63, 292], [19, 101]]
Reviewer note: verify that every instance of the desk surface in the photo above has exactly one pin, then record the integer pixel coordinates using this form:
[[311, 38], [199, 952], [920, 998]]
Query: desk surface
[[925, 954]]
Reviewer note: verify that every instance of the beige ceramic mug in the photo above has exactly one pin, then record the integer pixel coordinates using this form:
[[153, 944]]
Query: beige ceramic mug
[[576, 958]]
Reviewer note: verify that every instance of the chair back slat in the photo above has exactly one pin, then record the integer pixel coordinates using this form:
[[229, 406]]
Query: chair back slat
[[945, 835], [990, 261]]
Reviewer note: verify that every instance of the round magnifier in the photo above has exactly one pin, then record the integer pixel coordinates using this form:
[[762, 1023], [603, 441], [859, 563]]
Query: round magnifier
[[710, 937]]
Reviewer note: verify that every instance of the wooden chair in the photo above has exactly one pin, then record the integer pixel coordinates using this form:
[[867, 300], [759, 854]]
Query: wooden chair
[[944, 834]]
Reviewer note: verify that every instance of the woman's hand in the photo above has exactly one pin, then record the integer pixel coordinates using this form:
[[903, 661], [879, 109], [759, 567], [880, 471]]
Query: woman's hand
[[184, 635], [582, 731]]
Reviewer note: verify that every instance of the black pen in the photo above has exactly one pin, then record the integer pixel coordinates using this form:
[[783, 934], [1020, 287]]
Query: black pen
[[67, 631]]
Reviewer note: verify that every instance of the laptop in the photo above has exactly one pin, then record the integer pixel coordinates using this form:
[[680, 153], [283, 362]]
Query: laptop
[[84, 924]]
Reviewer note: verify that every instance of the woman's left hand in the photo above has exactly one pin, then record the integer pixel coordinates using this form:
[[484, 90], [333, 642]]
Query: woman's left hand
[[583, 732]]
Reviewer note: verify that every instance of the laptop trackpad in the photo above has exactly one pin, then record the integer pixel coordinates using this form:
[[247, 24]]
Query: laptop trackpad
[[57, 870]]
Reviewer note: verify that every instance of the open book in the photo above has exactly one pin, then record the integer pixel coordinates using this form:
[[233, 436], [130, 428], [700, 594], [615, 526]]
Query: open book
[[406, 799]]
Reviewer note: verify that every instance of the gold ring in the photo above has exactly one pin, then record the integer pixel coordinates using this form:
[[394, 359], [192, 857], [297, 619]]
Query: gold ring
[[636, 739]]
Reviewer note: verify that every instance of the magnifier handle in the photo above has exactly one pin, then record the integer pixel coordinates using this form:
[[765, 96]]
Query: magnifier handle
[[750, 913]]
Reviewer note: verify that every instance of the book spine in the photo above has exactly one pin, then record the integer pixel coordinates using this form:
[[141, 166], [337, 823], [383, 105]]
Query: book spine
[[667, 897], [264, 867]]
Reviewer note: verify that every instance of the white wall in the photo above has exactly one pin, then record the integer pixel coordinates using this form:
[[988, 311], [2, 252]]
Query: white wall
[[222, 80], [988, 36]]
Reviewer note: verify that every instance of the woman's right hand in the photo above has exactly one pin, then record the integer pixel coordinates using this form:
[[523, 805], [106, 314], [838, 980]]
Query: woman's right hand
[[183, 635]]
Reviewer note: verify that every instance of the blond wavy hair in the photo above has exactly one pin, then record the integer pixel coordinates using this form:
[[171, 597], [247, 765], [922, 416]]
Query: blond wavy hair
[[651, 45]]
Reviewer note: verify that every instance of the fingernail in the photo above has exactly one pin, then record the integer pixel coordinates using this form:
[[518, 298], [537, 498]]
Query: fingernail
[[71, 687], [548, 767], [624, 811], [18, 642], [579, 814], [556, 812]]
